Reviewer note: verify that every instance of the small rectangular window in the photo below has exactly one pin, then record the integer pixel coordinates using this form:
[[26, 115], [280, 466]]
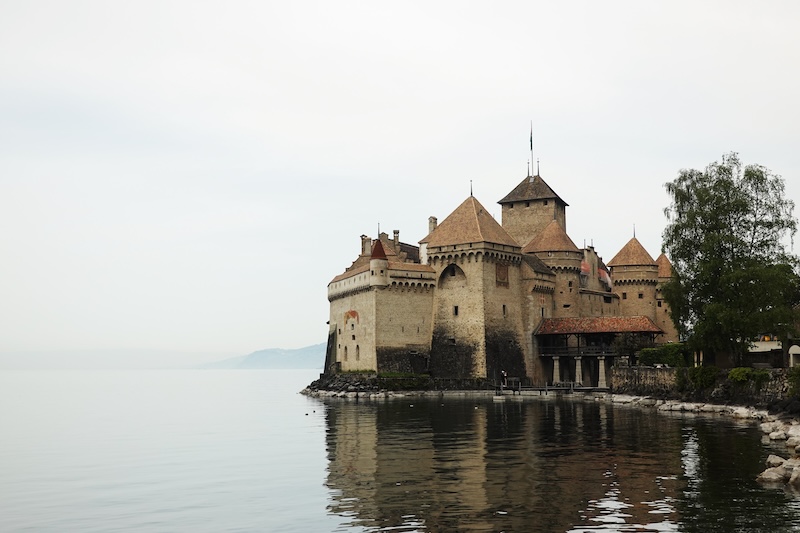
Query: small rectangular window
[[354, 337], [452, 340], [504, 311], [659, 303], [527, 204], [641, 296], [624, 295], [455, 310], [545, 202]]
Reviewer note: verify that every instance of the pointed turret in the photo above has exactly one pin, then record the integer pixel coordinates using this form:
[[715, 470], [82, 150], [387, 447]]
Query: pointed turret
[[553, 238], [635, 275], [664, 267], [632, 254]]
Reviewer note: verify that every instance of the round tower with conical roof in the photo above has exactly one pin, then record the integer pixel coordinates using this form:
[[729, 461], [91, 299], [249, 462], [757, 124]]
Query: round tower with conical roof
[[663, 316], [635, 277], [556, 250]]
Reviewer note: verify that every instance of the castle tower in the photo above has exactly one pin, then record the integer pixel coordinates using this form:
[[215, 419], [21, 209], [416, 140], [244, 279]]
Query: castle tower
[[530, 207], [378, 266], [635, 276], [556, 250], [663, 318], [477, 308]]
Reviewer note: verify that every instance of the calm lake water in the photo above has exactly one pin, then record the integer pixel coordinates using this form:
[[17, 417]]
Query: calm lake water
[[226, 450]]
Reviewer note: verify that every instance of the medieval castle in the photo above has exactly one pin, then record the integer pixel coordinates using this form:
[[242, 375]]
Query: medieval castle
[[476, 298]]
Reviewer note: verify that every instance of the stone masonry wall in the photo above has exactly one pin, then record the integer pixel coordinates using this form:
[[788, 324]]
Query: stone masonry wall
[[525, 220], [672, 383]]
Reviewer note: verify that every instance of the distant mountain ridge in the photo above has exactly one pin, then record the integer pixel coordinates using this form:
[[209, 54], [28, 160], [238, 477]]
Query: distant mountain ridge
[[277, 358]]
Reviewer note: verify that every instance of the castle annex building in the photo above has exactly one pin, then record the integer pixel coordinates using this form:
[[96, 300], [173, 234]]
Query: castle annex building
[[476, 298]]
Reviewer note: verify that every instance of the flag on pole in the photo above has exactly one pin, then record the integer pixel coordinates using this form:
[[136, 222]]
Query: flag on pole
[[531, 136]]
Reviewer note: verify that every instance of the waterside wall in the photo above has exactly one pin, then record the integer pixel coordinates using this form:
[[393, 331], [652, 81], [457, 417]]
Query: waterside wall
[[682, 384]]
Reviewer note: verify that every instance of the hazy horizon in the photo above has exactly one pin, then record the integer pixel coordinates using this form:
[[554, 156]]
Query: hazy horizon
[[119, 359]]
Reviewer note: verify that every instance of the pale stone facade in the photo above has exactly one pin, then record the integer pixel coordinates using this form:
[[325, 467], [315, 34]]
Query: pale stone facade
[[477, 297]]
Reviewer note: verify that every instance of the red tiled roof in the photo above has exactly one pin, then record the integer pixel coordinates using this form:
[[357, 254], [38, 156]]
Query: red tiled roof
[[597, 324], [377, 250]]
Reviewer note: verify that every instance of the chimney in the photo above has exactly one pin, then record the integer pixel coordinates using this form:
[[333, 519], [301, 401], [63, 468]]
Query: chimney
[[396, 239], [432, 223], [366, 245]]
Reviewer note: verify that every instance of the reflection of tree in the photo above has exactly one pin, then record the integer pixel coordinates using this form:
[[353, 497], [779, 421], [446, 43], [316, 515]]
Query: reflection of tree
[[718, 471], [459, 465]]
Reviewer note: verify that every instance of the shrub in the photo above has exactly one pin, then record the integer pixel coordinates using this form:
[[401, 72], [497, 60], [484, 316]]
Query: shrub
[[760, 377], [703, 377], [793, 377], [740, 374], [672, 354]]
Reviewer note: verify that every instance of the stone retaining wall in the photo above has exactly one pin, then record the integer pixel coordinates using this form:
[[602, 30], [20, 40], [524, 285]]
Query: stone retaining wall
[[674, 383]]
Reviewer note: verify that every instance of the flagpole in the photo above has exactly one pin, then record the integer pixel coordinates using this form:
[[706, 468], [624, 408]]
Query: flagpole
[[531, 147]]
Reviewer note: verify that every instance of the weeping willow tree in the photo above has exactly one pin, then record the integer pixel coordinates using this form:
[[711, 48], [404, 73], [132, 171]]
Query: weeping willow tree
[[734, 277]]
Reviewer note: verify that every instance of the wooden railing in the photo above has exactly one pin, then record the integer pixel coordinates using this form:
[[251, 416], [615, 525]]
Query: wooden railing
[[577, 351]]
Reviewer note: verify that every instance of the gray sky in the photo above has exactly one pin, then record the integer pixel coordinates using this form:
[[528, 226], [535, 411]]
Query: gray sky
[[188, 176]]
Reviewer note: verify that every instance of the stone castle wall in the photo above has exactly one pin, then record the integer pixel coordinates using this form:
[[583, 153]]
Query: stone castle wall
[[525, 220], [353, 319], [404, 328]]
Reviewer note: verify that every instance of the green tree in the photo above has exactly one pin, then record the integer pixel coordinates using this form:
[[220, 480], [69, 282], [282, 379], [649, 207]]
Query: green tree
[[733, 277]]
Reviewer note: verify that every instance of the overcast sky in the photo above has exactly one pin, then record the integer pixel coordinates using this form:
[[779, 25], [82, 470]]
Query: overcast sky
[[188, 176]]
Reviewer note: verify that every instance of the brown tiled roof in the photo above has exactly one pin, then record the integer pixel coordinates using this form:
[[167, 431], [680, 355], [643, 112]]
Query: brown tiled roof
[[664, 266], [352, 271], [597, 324], [553, 238], [531, 188], [469, 223], [632, 254], [536, 264], [393, 266]]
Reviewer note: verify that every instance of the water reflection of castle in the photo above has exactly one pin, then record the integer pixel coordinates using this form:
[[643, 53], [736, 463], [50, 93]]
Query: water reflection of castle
[[477, 297], [493, 466]]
